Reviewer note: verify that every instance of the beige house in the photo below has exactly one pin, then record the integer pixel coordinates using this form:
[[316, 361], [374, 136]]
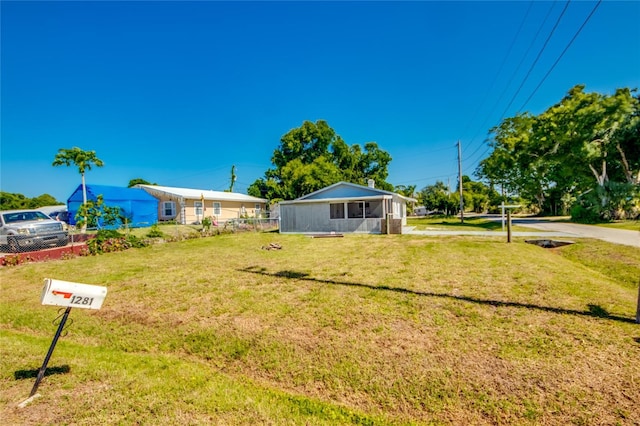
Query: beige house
[[186, 206]]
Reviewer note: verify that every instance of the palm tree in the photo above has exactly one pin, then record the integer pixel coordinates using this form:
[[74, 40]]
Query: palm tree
[[83, 160]]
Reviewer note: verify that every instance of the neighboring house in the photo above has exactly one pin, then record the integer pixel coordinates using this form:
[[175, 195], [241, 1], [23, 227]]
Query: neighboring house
[[420, 211], [139, 208], [186, 206], [343, 208]]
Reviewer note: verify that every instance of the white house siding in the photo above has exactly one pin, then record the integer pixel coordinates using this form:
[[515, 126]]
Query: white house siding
[[312, 212], [314, 218]]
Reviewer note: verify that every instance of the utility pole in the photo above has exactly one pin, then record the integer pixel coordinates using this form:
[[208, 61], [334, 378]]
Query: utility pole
[[460, 182], [233, 177], [446, 211]]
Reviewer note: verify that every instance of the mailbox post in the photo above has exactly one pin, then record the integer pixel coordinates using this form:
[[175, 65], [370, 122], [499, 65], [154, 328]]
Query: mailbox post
[[70, 295]]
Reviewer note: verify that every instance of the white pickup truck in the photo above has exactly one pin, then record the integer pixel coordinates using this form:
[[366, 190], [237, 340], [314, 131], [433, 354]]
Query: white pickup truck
[[24, 230]]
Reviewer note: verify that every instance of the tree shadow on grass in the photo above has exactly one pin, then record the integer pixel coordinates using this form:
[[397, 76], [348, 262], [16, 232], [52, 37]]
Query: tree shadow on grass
[[32, 374], [593, 310]]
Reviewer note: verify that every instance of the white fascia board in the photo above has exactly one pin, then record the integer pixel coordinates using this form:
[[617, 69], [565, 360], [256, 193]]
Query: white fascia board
[[341, 199], [196, 194]]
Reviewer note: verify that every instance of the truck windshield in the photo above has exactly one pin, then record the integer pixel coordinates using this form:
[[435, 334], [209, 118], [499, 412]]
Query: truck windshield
[[24, 216]]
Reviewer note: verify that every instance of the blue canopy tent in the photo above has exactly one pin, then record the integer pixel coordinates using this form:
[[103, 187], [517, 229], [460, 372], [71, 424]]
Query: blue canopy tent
[[140, 208]]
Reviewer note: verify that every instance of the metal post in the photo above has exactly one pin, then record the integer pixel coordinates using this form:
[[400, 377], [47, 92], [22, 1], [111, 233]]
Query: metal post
[[509, 225], [638, 309], [51, 348]]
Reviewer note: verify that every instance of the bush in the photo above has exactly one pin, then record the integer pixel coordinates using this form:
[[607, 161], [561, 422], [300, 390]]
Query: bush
[[155, 232], [108, 241], [581, 214]]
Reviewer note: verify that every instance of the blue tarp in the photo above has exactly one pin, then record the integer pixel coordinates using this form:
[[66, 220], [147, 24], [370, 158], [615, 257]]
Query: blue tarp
[[138, 206]]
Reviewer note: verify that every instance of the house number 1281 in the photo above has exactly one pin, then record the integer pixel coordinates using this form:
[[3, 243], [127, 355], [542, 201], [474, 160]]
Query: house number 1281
[[79, 300]]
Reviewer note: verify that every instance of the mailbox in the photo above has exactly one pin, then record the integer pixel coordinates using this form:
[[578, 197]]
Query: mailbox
[[74, 295]]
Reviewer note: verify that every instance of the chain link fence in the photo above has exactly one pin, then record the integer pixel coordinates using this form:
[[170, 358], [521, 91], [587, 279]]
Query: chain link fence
[[40, 240]]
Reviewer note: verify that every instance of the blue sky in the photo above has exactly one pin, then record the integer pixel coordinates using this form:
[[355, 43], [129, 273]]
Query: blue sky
[[178, 92]]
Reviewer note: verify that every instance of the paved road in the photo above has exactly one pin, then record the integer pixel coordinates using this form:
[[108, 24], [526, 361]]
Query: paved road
[[548, 228], [616, 236]]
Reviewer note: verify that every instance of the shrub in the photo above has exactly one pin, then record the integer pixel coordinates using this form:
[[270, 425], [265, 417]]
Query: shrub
[[16, 260], [583, 214], [108, 241], [155, 232]]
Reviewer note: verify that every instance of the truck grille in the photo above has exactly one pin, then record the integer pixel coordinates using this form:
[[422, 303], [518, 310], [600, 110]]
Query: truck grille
[[50, 227]]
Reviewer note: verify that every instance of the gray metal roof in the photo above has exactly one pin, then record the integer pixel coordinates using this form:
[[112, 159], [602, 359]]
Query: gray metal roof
[[347, 191]]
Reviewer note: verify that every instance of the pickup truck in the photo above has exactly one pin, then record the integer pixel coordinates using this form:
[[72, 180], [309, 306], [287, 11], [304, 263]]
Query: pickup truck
[[24, 230]]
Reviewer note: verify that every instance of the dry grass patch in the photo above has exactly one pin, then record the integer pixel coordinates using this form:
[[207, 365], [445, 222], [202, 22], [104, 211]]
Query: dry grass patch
[[356, 330]]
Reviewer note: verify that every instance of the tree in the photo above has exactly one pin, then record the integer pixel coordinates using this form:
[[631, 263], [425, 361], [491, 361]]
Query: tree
[[407, 191], [9, 201], [43, 200], [584, 151], [479, 197], [96, 214], [437, 197], [83, 160], [139, 181], [313, 156]]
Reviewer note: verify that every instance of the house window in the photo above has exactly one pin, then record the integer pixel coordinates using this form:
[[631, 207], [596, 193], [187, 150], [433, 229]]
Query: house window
[[354, 210], [217, 209], [198, 207], [373, 209], [258, 207], [336, 211], [168, 209]]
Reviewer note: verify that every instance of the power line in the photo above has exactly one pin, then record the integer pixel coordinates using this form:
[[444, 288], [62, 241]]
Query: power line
[[584, 23], [481, 156], [515, 72], [561, 54], [423, 179], [538, 56], [544, 46], [524, 56], [474, 160], [504, 60]]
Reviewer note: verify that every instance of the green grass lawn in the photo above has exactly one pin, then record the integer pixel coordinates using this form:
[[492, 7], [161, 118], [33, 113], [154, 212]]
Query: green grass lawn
[[631, 225], [442, 223], [363, 329]]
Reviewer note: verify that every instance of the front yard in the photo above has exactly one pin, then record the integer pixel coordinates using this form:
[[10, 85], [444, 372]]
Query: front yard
[[363, 329]]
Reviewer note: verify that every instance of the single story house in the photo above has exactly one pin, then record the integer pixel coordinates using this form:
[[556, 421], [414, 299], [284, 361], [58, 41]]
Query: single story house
[[345, 208], [420, 211], [186, 206], [140, 208]]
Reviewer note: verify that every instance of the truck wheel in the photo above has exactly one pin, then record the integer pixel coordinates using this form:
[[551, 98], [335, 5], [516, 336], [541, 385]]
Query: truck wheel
[[63, 242], [13, 245]]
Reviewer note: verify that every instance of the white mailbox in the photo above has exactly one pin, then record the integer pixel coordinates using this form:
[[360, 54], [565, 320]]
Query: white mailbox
[[75, 295]]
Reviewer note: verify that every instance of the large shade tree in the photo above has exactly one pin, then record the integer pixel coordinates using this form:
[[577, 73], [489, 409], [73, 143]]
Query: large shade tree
[[584, 151], [313, 156], [81, 159]]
